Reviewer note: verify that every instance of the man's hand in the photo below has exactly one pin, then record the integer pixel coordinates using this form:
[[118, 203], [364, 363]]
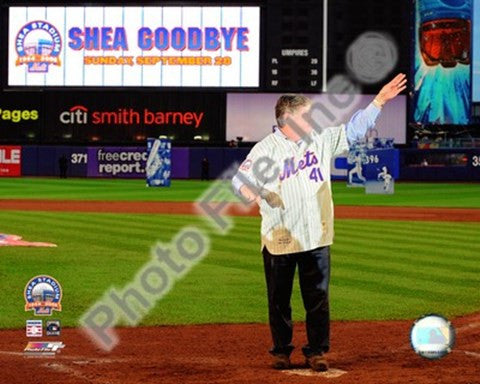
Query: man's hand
[[273, 199], [249, 195], [391, 90]]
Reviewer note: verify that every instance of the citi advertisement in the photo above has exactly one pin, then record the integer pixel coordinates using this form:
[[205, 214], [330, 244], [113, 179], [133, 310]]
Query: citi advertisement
[[116, 162], [134, 46], [128, 117], [442, 64], [80, 114], [10, 160]]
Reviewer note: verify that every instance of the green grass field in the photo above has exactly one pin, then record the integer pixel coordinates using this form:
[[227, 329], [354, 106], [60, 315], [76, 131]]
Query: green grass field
[[406, 194], [380, 269]]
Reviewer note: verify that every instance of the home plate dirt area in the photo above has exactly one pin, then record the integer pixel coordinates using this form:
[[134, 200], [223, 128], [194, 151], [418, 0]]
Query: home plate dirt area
[[362, 352]]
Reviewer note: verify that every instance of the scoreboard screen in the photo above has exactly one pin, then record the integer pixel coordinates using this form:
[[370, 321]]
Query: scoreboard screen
[[295, 46], [106, 46], [476, 52]]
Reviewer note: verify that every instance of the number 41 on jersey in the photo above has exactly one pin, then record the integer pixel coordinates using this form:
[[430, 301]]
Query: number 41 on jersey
[[316, 175]]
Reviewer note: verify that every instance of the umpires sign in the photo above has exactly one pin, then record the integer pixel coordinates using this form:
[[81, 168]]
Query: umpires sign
[[294, 50]]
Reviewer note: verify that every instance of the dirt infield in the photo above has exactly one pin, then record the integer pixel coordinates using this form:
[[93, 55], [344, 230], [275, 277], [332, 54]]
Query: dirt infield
[[341, 211], [362, 353]]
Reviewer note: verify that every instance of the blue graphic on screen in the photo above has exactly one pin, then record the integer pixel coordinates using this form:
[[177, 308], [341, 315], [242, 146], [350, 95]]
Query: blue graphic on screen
[[442, 66], [158, 167], [476, 51]]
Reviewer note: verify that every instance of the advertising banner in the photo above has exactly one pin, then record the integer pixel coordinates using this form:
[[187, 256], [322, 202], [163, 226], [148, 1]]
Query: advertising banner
[[95, 162], [127, 117], [10, 160], [158, 167], [116, 162], [21, 116], [134, 46], [442, 62]]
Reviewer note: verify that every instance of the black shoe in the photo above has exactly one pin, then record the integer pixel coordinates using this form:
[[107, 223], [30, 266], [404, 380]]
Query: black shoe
[[281, 361], [318, 363]]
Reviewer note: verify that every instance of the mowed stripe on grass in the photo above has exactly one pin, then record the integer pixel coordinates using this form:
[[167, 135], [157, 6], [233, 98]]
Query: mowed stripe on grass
[[396, 268], [406, 194], [380, 269]]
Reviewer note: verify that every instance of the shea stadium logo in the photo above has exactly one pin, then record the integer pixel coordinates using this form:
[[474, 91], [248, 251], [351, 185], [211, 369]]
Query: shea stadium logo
[[43, 294], [38, 45]]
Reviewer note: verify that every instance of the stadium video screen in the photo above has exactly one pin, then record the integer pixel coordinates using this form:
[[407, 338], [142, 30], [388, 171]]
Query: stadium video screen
[[476, 52], [442, 62], [134, 46]]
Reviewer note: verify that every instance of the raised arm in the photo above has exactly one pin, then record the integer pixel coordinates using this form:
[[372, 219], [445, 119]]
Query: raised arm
[[364, 119]]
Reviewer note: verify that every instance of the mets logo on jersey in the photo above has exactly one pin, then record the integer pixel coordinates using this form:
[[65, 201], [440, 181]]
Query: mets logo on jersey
[[43, 294], [38, 45]]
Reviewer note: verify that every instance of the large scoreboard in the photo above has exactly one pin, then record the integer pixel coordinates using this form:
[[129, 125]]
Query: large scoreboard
[[117, 72], [134, 46], [268, 45]]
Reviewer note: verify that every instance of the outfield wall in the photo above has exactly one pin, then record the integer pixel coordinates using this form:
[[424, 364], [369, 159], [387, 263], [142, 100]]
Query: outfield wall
[[458, 164], [129, 162], [123, 162]]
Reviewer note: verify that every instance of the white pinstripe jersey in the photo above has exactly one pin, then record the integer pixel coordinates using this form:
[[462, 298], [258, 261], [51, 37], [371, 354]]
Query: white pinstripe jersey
[[302, 180]]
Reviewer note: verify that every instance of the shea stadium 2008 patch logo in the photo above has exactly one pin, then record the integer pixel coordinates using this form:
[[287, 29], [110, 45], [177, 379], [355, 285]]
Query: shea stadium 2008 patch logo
[[42, 295], [38, 45]]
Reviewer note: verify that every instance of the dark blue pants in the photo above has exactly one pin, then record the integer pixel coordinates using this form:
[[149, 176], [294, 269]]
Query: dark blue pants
[[314, 276]]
